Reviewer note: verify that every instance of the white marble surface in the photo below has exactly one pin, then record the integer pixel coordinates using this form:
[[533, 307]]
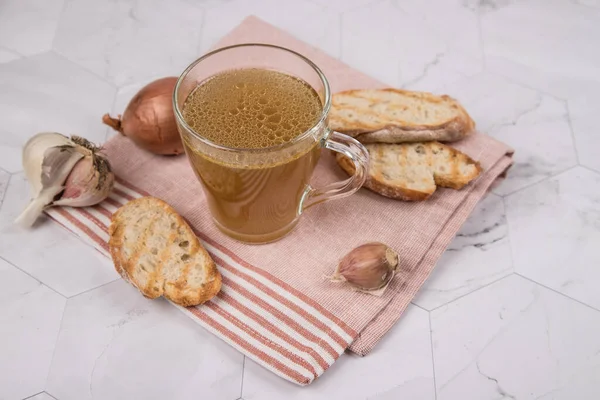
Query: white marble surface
[[511, 311], [46, 92], [115, 344], [30, 315]]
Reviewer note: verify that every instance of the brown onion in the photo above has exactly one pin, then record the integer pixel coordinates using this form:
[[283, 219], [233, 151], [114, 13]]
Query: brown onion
[[149, 120]]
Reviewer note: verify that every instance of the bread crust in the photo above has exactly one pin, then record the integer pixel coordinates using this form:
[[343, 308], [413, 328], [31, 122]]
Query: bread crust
[[179, 291], [382, 188], [450, 130], [453, 180]]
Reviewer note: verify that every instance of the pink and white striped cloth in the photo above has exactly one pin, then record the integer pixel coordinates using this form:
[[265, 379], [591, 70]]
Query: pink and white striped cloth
[[275, 306]]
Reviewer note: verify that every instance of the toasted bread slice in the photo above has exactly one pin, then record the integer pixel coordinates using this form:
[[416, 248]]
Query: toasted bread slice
[[398, 116], [154, 249], [411, 171]]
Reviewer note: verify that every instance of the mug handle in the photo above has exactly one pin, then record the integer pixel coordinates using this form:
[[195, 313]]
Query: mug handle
[[356, 152]]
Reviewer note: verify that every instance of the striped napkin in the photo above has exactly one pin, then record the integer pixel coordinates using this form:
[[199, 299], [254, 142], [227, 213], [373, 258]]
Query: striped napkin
[[274, 306]]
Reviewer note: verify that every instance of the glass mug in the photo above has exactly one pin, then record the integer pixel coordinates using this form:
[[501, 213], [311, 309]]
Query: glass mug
[[257, 195]]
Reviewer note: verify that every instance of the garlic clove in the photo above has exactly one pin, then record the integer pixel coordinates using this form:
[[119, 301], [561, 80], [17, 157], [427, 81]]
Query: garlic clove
[[33, 154], [87, 184], [55, 168], [58, 163], [368, 267]]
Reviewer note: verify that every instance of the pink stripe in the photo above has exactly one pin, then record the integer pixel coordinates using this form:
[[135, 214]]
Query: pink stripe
[[99, 208], [82, 227], [113, 202], [263, 357], [90, 217], [282, 316], [273, 329], [123, 194], [263, 340], [309, 317], [281, 284]]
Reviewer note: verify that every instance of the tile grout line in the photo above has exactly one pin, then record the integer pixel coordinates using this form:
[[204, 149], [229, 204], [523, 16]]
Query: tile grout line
[[547, 178], [432, 357], [474, 291], [16, 53], [85, 69], [32, 396], [523, 85], [6, 189], [33, 277], [243, 371], [557, 292], [60, 326], [54, 397], [94, 288], [589, 169], [573, 139], [510, 246], [418, 306]]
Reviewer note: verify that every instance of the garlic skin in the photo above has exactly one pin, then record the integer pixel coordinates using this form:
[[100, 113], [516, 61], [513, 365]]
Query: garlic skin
[[63, 171], [368, 267], [34, 150]]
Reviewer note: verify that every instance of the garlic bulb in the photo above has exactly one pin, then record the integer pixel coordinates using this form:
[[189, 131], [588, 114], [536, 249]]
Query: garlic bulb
[[370, 266], [63, 171]]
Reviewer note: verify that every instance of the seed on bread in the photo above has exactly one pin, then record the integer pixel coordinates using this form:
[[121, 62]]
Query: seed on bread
[[412, 171], [399, 116], [154, 249]]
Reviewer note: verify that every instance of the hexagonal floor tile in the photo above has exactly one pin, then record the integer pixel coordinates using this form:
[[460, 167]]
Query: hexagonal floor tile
[[403, 48], [516, 340], [28, 26], [539, 30], [30, 315], [307, 21], [534, 124], [47, 251], [48, 93], [399, 367], [479, 255], [115, 344], [555, 231], [130, 40]]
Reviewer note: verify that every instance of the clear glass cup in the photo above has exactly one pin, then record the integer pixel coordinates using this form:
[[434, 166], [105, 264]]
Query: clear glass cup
[[257, 195]]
